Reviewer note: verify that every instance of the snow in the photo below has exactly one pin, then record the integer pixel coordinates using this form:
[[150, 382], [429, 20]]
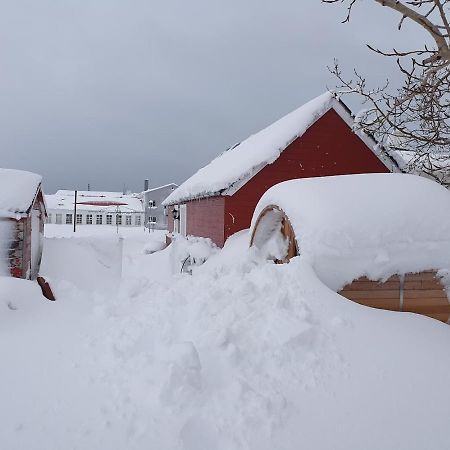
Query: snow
[[18, 189], [241, 161], [370, 224], [243, 354], [64, 200]]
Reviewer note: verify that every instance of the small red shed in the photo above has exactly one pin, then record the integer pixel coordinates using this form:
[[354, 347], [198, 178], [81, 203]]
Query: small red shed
[[22, 217], [316, 140]]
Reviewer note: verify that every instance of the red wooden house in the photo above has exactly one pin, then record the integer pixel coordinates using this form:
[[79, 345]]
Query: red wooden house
[[315, 140], [22, 217]]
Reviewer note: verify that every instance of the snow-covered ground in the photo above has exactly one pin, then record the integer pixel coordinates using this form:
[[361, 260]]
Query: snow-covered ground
[[243, 354]]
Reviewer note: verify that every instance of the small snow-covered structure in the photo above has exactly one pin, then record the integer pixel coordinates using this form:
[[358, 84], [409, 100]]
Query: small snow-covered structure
[[95, 207], [354, 229], [22, 217], [315, 140]]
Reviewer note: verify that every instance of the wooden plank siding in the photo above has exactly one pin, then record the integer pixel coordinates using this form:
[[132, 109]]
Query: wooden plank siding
[[328, 147], [420, 293]]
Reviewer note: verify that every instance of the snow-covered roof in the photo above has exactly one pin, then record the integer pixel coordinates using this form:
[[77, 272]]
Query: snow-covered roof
[[234, 167], [18, 190], [369, 224], [94, 201], [172, 185]]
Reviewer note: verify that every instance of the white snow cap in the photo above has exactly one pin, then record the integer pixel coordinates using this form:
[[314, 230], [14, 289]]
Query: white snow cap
[[18, 189], [240, 162], [369, 224]]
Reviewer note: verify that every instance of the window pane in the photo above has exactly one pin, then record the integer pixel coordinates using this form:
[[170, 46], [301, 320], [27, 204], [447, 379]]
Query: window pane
[[89, 219], [68, 219], [79, 219], [99, 219], [108, 219]]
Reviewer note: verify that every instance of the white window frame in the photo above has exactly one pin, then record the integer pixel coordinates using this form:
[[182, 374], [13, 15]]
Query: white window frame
[[58, 219], [98, 219], [118, 219], [128, 220], [49, 218], [79, 219], [88, 219], [109, 219], [137, 220], [69, 219]]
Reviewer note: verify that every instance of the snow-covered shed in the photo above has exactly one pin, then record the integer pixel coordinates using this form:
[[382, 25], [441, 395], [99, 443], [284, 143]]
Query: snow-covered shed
[[315, 140], [22, 217], [382, 240]]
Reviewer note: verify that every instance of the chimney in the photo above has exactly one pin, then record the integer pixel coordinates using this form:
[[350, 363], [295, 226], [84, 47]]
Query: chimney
[[146, 181]]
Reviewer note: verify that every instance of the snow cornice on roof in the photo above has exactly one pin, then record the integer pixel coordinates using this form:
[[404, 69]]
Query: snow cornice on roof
[[232, 169]]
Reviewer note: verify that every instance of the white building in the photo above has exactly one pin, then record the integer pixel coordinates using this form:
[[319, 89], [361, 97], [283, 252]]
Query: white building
[[95, 208]]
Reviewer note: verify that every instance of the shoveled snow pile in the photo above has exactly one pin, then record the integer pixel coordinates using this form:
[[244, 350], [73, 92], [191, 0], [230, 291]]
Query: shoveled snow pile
[[17, 191], [243, 354], [371, 224], [260, 149]]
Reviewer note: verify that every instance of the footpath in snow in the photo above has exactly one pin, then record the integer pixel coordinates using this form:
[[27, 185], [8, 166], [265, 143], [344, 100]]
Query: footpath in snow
[[242, 354]]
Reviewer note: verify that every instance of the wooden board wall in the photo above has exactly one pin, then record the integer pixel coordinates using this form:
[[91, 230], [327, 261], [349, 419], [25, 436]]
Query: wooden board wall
[[420, 293]]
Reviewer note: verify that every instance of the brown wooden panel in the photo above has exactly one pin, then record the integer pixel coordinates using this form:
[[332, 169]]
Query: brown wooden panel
[[425, 294], [418, 302], [379, 293], [372, 286]]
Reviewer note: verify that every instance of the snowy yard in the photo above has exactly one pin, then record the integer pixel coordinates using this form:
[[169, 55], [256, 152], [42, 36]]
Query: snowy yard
[[243, 354]]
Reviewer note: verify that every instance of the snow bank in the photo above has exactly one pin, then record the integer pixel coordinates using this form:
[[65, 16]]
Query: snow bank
[[242, 355], [17, 191], [242, 160], [87, 263], [372, 224]]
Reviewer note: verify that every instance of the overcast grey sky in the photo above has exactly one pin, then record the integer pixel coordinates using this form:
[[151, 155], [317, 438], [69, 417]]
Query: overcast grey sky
[[109, 92]]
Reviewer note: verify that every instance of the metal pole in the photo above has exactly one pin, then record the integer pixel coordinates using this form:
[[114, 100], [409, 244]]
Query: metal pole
[[75, 212]]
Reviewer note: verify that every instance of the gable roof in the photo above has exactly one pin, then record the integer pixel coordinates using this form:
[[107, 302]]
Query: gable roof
[[18, 189], [233, 168]]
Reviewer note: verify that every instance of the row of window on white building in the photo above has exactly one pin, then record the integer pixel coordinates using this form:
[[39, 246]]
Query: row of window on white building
[[99, 219]]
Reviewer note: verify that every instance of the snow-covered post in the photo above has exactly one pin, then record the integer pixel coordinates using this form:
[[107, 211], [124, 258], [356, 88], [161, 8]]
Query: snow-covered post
[[120, 265]]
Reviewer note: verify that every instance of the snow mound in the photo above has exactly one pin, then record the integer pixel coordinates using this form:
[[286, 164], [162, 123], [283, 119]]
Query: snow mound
[[18, 189], [371, 224], [242, 160]]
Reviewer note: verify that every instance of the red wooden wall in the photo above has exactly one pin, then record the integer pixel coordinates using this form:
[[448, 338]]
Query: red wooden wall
[[205, 218], [329, 147]]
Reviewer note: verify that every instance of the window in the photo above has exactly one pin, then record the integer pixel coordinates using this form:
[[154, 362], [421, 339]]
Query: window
[[98, 219], [128, 220], [68, 219], [108, 219], [152, 219], [49, 218], [79, 219], [88, 219], [152, 204], [118, 219], [137, 220], [58, 218]]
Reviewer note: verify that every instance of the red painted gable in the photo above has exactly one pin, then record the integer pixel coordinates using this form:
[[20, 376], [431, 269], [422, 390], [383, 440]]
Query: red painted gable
[[328, 147]]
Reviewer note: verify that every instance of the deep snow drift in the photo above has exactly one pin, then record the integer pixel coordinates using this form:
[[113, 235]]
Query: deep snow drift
[[243, 354]]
